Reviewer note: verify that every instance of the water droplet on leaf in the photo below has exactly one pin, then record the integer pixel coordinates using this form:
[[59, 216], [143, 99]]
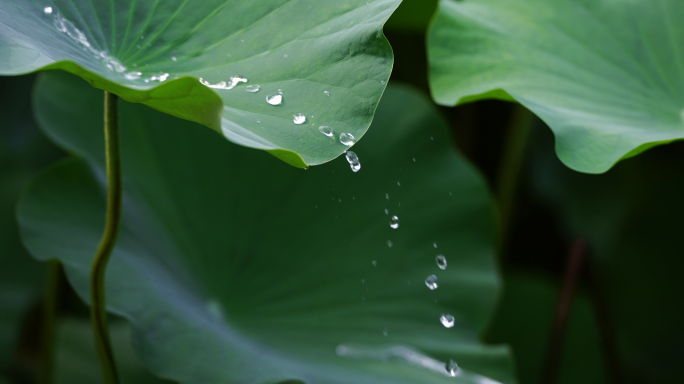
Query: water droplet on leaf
[[347, 139], [274, 98], [299, 119], [326, 93], [326, 130], [252, 88], [47, 10], [452, 368]]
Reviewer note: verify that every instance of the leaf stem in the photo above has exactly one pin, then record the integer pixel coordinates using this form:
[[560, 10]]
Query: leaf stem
[[555, 345], [509, 167], [51, 301], [98, 308]]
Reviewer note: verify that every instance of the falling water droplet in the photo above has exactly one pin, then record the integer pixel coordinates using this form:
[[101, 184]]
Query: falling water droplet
[[431, 282], [386, 211], [299, 119], [389, 244], [47, 10], [452, 368], [173, 58], [353, 161], [375, 263], [274, 98], [326, 130], [441, 261], [398, 184], [385, 332], [414, 159], [346, 138], [387, 196], [326, 93], [394, 222], [434, 244], [447, 320], [252, 88]]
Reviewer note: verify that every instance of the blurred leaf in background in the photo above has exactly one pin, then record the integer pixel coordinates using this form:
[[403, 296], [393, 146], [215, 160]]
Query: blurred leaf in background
[[631, 219], [23, 151], [524, 319], [263, 273], [606, 76]]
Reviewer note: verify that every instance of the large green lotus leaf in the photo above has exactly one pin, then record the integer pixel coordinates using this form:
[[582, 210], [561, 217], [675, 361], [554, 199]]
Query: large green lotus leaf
[[76, 357], [631, 218], [233, 268], [329, 58], [607, 76], [23, 150]]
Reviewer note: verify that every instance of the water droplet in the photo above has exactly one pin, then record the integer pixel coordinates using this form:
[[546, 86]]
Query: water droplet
[[285, 55], [398, 184], [434, 244], [387, 196], [389, 244], [47, 10], [173, 58], [452, 368], [447, 320], [326, 93], [385, 332], [414, 159], [382, 82], [375, 263], [133, 75], [326, 130], [441, 261], [274, 98], [347, 138], [258, 121], [252, 88], [160, 77], [386, 211], [432, 138], [234, 80], [299, 119], [394, 222], [431, 282], [353, 161]]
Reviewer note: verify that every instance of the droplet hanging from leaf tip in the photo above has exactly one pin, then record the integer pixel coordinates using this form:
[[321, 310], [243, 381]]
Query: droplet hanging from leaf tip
[[353, 161]]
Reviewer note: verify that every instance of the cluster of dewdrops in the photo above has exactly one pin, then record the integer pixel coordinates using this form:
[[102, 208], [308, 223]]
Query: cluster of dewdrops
[[275, 99]]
